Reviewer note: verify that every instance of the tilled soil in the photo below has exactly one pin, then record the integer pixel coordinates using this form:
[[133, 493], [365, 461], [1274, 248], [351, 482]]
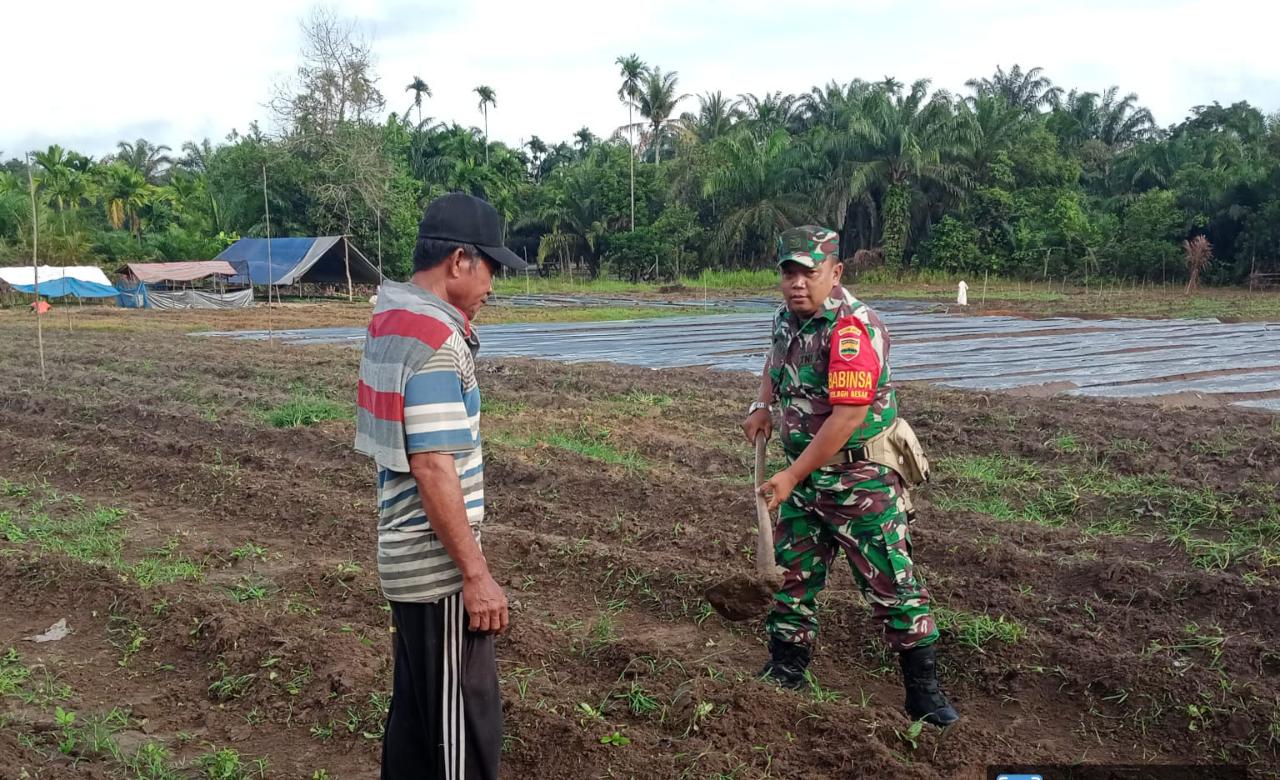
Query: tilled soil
[[616, 496]]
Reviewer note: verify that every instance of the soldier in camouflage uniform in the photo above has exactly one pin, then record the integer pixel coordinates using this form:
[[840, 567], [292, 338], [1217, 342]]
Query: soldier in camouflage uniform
[[828, 370]]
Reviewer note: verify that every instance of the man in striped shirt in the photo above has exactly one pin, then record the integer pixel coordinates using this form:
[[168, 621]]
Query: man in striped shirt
[[418, 417]]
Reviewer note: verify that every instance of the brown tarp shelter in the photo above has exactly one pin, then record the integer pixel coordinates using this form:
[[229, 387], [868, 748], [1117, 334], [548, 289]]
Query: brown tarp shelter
[[155, 273]]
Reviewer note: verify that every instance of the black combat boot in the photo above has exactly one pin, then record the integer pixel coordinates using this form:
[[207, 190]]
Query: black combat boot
[[787, 662], [924, 698]]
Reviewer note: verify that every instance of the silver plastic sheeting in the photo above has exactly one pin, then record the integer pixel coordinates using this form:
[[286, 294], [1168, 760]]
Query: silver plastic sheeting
[[1120, 358]]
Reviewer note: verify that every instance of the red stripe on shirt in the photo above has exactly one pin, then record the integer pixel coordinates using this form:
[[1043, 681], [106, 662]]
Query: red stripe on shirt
[[402, 322], [384, 406]]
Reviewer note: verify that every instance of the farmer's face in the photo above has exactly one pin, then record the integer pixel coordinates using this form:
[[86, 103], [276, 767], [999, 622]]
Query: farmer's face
[[470, 282], [806, 289]]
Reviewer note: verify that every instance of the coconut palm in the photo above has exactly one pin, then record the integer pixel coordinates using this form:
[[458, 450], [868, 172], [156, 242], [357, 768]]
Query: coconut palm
[[419, 88], [632, 69], [487, 98], [657, 101]]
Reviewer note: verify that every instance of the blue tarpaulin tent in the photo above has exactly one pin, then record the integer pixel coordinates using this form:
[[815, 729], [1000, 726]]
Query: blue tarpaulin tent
[[57, 288], [323, 259]]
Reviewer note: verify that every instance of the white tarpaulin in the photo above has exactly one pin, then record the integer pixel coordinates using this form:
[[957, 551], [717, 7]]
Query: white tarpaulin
[[22, 274], [199, 299]]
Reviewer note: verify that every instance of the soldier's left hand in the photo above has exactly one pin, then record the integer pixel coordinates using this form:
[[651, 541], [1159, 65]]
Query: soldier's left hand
[[778, 488]]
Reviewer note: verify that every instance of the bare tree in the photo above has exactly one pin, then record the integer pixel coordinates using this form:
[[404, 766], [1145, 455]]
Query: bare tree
[[334, 82]]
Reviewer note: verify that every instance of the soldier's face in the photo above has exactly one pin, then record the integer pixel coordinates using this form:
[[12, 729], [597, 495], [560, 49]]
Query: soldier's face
[[806, 289]]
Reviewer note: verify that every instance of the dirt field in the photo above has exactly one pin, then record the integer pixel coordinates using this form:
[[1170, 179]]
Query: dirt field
[[1105, 575]]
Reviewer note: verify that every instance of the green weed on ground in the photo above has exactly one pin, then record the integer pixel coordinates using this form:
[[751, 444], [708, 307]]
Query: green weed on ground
[[65, 525], [1215, 529], [303, 410], [584, 441], [978, 630]]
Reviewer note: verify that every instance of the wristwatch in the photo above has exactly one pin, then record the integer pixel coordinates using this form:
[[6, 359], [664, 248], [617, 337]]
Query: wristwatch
[[757, 406]]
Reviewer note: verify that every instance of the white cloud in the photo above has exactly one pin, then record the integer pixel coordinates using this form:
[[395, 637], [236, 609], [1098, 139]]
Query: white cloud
[[87, 74]]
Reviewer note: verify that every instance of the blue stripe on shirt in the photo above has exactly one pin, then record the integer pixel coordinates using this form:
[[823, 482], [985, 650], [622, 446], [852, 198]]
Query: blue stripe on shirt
[[433, 387], [435, 441]]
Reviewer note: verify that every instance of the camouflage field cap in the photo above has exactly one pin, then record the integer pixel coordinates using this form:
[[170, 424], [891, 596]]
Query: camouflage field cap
[[808, 245]]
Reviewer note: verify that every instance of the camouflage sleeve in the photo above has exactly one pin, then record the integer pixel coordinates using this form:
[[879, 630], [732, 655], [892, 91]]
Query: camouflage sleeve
[[770, 357], [854, 369]]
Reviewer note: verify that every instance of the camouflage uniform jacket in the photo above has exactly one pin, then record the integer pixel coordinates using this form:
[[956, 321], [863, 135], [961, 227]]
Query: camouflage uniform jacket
[[838, 356]]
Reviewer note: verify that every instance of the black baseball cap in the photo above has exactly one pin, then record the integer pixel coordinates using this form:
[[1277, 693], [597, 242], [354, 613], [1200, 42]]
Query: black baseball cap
[[467, 219]]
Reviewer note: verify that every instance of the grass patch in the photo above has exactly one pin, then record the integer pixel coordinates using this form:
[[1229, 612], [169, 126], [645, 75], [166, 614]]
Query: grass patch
[[303, 409], [1216, 530], [586, 442], [977, 630], [989, 470], [93, 535], [94, 740], [638, 403]]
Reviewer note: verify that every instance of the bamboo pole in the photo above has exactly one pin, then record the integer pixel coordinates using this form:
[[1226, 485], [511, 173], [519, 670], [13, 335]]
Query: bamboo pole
[[35, 268], [378, 216], [266, 208], [346, 261]]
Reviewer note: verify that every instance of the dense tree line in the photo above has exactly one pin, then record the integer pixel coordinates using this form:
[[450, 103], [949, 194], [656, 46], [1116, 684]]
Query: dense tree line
[[1017, 176]]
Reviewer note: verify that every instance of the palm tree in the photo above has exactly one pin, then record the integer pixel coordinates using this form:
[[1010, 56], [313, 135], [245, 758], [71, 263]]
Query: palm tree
[[1124, 122], [905, 147], [995, 125], [576, 216], [632, 70], [833, 106], [61, 180], [146, 158], [196, 157], [583, 140], [1029, 91], [775, 111], [124, 192], [419, 88], [487, 98], [657, 102], [1088, 116], [716, 116], [52, 159], [537, 150], [759, 185]]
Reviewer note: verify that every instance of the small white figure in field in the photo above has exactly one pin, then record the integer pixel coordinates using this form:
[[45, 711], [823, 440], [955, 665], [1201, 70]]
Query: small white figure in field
[[962, 293]]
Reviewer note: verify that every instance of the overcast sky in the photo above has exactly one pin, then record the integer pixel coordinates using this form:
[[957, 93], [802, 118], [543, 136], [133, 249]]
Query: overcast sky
[[88, 74]]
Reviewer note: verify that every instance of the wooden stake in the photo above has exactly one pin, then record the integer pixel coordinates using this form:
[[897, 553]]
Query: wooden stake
[[35, 269], [986, 275]]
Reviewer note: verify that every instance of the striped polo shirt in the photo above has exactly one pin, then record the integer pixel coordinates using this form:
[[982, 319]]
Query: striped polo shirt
[[439, 410]]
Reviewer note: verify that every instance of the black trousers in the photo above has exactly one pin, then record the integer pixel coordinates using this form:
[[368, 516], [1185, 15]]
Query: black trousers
[[446, 715]]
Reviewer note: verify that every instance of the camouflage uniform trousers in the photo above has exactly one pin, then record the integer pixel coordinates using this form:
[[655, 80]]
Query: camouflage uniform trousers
[[858, 508]]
